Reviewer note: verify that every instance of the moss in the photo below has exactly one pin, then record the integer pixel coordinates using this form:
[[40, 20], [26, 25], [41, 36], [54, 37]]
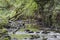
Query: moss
[[6, 39], [20, 36]]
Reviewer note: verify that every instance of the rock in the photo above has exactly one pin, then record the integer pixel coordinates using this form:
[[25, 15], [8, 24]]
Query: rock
[[35, 36], [53, 39], [31, 38], [37, 32], [15, 39], [30, 32], [27, 30], [45, 32], [25, 38]]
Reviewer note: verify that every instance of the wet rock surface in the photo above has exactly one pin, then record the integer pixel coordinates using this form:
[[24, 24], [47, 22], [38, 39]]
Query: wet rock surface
[[40, 36]]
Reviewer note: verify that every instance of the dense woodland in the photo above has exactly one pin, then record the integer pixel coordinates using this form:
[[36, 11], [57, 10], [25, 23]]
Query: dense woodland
[[45, 12]]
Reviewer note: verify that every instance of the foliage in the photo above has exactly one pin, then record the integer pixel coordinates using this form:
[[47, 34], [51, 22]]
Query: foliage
[[16, 8], [19, 9], [3, 21], [49, 10]]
